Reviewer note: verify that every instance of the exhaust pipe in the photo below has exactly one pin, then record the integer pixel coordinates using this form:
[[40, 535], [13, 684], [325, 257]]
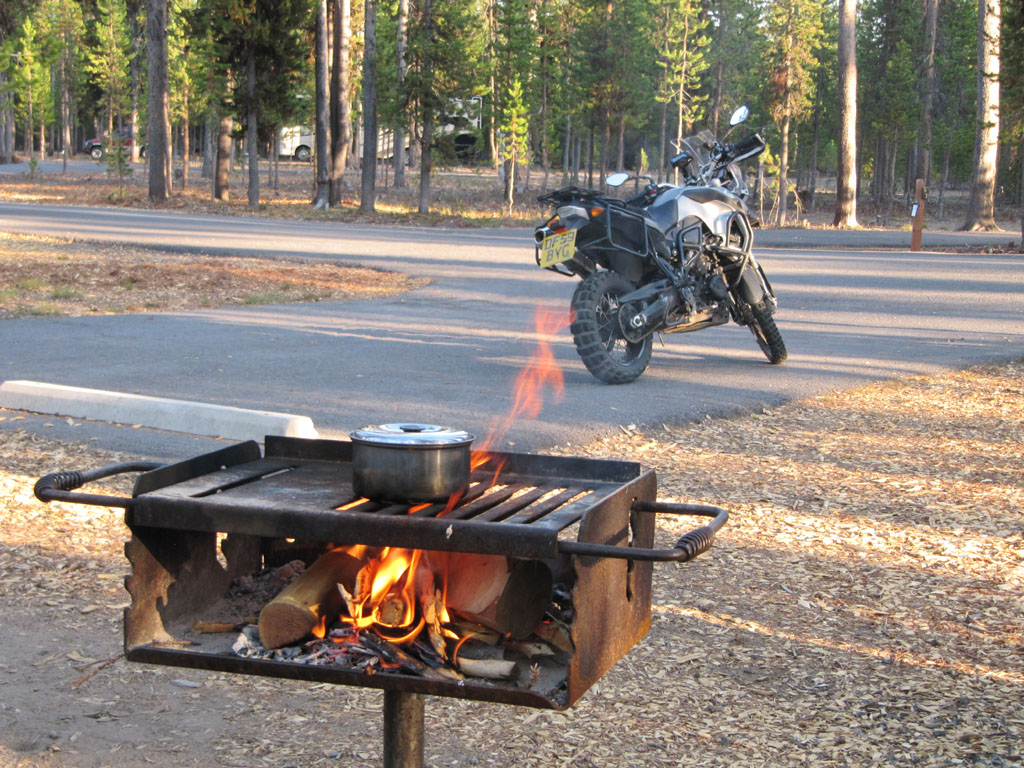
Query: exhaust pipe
[[540, 233]]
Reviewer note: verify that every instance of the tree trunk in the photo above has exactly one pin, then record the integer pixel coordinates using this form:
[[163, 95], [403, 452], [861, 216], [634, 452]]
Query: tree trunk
[[399, 140], [322, 198], [158, 138], [621, 158], [783, 200], [5, 152], [890, 176], [567, 150], [716, 100], [812, 170], [251, 130], [846, 173], [981, 204], [208, 148], [222, 173], [368, 190], [186, 143], [427, 151], [135, 84], [65, 111], [663, 144], [30, 141], [341, 104], [943, 179], [924, 154]]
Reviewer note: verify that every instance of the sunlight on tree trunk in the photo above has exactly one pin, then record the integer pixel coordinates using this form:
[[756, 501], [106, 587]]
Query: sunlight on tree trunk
[[846, 179], [981, 204]]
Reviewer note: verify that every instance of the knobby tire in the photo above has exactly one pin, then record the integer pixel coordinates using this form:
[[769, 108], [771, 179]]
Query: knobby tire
[[767, 334], [597, 335]]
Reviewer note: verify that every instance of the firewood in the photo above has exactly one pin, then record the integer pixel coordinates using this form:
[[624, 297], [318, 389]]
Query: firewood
[[531, 650], [556, 633], [214, 627], [475, 581], [395, 655], [311, 597], [490, 669], [519, 605]]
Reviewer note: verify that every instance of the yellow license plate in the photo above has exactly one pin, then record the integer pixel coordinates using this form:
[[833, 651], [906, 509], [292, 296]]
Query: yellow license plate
[[558, 248]]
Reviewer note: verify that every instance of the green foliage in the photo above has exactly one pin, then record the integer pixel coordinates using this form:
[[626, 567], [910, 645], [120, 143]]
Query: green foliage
[[107, 60], [793, 29], [549, 72], [274, 33]]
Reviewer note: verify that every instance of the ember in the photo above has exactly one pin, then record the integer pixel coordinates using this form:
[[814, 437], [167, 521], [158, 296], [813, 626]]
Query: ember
[[383, 599]]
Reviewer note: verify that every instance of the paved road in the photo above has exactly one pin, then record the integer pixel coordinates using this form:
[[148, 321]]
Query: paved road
[[449, 353]]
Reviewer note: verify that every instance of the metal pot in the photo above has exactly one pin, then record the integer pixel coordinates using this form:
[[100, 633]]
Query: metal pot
[[413, 463]]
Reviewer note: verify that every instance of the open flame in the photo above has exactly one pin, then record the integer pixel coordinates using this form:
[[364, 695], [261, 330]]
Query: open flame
[[541, 372], [401, 593], [399, 589]]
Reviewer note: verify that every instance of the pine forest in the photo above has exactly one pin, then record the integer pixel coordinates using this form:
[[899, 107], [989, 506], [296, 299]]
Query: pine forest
[[857, 100]]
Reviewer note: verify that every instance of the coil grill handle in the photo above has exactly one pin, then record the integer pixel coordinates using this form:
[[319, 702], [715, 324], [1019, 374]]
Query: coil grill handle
[[60, 486], [689, 546]]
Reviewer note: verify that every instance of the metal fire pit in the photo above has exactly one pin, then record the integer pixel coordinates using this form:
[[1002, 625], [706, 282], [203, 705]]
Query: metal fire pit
[[589, 519]]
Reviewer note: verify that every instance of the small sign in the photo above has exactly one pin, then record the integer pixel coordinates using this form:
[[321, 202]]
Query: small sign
[[913, 211]]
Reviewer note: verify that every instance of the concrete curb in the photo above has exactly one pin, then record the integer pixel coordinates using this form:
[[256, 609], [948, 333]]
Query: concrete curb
[[155, 412]]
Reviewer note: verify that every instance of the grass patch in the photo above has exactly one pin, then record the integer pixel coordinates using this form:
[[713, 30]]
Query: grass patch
[[34, 284], [65, 292]]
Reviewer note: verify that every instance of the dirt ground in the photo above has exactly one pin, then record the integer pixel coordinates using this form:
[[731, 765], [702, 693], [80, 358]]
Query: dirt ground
[[51, 276], [862, 608]]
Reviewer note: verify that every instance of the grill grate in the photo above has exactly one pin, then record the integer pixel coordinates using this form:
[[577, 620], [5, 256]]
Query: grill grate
[[304, 488]]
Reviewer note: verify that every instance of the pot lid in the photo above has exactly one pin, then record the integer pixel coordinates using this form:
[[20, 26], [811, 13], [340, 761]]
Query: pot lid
[[411, 435]]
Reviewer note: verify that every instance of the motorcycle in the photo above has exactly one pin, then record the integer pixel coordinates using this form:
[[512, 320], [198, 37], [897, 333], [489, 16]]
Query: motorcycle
[[669, 259]]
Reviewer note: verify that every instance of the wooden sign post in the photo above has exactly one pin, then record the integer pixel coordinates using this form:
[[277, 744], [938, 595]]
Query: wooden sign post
[[917, 216]]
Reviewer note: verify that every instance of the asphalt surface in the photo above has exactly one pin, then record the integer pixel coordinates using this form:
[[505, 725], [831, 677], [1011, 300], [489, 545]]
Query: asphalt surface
[[854, 308]]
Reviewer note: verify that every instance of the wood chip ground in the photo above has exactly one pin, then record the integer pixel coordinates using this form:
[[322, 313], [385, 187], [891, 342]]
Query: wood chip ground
[[862, 608]]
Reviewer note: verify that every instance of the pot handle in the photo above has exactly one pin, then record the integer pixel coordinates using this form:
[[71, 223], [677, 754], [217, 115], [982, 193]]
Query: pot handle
[[58, 486], [692, 544]]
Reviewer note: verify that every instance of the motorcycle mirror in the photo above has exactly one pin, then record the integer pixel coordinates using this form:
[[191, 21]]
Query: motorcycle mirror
[[741, 114], [617, 179]]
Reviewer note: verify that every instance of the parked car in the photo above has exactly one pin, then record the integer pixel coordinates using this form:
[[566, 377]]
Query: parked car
[[96, 148]]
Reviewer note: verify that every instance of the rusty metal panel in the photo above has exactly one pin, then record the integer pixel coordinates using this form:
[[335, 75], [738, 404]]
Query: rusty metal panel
[[612, 597]]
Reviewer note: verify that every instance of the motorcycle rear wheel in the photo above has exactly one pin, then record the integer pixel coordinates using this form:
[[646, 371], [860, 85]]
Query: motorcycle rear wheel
[[608, 355], [767, 334]]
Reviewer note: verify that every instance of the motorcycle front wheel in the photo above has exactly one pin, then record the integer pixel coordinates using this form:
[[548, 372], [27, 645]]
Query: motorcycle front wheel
[[769, 339], [608, 355]]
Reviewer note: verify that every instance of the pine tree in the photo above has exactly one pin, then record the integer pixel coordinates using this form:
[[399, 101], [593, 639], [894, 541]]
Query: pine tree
[[680, 42], [63, 26], [793, 28], [107, 60], [515, 131], [260, 48]]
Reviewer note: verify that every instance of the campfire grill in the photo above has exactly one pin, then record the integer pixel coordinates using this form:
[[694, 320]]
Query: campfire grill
[[590, 520]]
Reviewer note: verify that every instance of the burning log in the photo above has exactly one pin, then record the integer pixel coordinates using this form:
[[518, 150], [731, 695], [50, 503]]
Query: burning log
[[308, 600]]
